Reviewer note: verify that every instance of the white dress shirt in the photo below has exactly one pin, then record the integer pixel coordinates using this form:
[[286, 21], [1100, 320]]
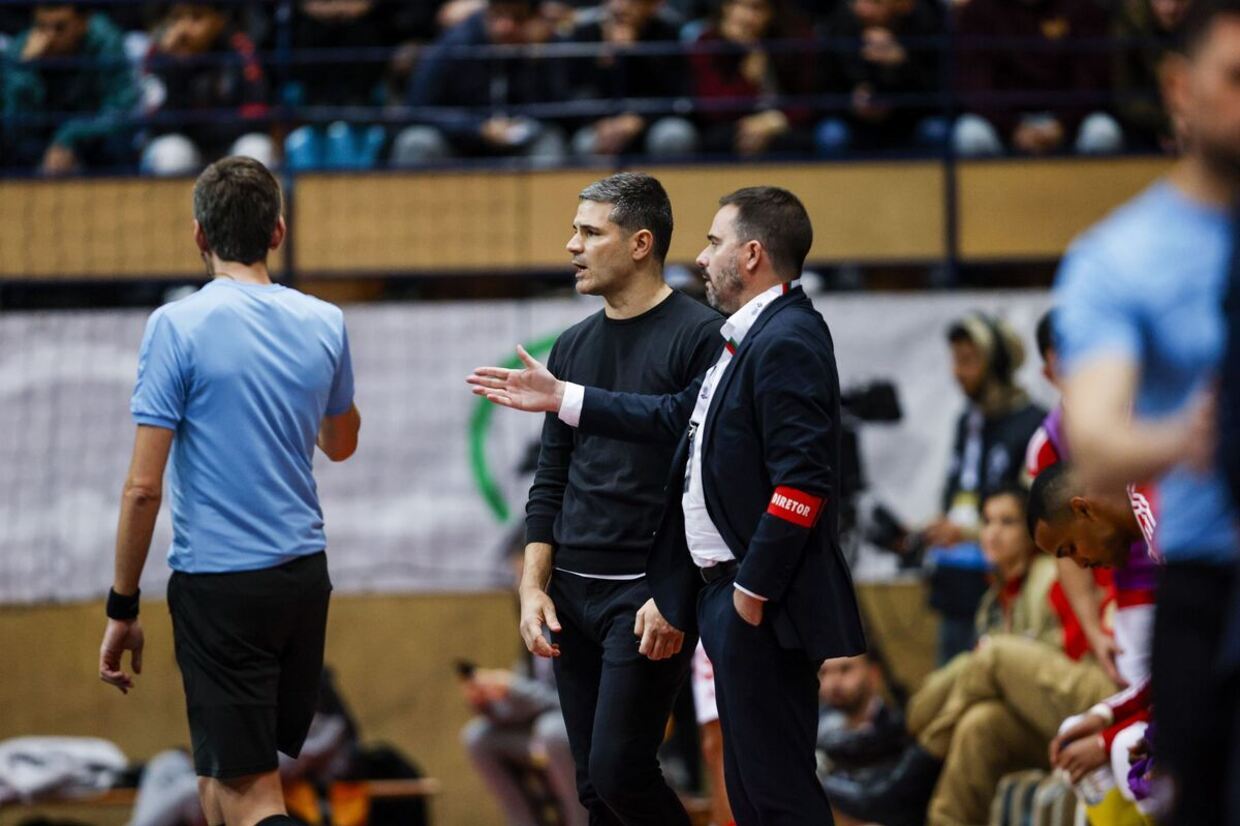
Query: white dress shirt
[[706, 544]]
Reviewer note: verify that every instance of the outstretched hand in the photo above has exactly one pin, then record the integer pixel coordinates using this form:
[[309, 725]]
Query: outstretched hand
[[531, 388]]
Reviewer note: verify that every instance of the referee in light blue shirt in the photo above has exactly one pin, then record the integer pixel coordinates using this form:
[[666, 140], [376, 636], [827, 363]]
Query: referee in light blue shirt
[[238, 382], [1140, 325]]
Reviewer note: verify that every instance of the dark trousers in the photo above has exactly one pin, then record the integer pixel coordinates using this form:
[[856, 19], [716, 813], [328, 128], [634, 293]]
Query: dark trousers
[[616, 702], [768, 709], [1231, 670], [1193, 708]]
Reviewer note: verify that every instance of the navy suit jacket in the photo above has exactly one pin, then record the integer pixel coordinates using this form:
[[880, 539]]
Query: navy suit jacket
[[773, 422]]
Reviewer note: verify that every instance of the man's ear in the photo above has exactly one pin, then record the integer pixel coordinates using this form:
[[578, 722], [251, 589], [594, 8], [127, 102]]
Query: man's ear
[[1081, 507], [279, 233], [752, 256], [642, 244], [200, 238]]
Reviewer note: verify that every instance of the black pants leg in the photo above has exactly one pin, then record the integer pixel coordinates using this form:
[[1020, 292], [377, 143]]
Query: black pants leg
[[1232, 784], [615, 702], [1230, 663], [768, 708], [578, 672], [1191, 707]]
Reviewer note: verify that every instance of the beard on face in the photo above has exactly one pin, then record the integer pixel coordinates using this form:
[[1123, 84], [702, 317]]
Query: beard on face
[[723, 288]]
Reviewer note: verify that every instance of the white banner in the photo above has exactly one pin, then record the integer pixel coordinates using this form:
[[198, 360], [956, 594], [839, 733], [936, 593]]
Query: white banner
[[436, 485]]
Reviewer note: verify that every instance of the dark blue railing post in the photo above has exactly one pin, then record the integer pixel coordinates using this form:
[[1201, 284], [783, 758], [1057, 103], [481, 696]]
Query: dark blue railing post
[[285, 9], [948, 84]]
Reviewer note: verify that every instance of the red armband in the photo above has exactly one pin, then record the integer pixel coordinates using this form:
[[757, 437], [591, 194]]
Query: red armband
[[795, 506]]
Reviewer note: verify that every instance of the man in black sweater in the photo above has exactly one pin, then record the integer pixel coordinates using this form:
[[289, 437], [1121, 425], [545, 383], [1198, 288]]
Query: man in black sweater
[[595, 504], [748, 546]]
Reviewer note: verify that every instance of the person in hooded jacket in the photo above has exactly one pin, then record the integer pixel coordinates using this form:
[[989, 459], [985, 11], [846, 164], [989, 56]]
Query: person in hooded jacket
[[988, 452]]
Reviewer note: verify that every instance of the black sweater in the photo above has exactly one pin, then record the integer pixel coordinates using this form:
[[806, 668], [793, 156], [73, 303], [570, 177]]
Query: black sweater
[[598, 500]]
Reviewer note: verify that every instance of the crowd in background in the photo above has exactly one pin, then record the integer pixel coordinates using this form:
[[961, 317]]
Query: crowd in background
[[359, 84]]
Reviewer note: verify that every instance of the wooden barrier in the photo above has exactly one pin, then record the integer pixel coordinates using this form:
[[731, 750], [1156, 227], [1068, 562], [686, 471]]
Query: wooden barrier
[[1011, 210], [393, 657], [378, 224], [477, 222]]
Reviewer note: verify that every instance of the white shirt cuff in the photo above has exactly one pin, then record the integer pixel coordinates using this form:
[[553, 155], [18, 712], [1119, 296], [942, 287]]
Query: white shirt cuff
[[745, 590], [571, 404], [1105, 712]]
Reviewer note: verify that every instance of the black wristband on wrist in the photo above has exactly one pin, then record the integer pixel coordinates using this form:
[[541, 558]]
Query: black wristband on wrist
[[121, 607]]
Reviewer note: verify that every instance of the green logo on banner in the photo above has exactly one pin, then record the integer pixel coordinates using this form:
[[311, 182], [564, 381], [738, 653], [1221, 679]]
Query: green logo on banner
[[479, 426]]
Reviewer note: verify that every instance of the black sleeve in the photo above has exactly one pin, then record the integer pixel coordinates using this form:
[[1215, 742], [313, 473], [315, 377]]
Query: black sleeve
[[952, 485], [551, 478], [704, 346], [796, 413]]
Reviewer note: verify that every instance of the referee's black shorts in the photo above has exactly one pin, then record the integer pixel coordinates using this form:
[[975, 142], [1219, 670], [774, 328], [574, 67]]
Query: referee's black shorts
[[250, 648]]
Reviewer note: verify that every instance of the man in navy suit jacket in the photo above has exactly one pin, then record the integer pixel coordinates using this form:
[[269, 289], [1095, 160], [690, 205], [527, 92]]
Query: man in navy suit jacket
[[747, 552]]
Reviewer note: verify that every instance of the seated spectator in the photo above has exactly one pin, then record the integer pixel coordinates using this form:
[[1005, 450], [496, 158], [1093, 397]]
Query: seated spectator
[[990, 437], [1070, 522], [1123, 653], [1149, 29], [468, 99], [1085, 590], [518, 724], [617, 75], [1056, 63], [740, 77], [874, 61], [1017, 601], [858, 733], [992, 710], [69, 61], [331, 82], [177, 80]]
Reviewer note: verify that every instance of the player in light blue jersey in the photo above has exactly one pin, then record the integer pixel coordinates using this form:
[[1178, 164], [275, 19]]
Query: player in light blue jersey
[[236, 384], [1139, 319]]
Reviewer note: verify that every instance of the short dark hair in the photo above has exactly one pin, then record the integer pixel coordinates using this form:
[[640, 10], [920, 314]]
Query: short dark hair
[[237, 203], [1200, 19], [777, 220], [957, 334], [1045, 334], [1050, 495], [638, 201], [1014, 489]]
